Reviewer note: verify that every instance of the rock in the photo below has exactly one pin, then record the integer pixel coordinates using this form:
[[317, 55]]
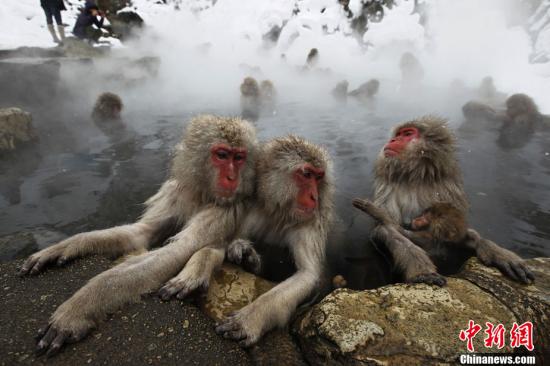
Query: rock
[[528, 303], [420, 324], [32, 52], [74, 47], [130, 336], [112, 6], [232, 288], [21, 244], [15, 128]]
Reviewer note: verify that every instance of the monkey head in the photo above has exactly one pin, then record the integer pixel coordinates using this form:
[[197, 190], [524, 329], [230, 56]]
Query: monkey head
[[250, 87], [107, 106], [216, 158], [295, 177], [445, 221], [420, 150], [521, 105], [267, 89], [487, 88], [372, 87]]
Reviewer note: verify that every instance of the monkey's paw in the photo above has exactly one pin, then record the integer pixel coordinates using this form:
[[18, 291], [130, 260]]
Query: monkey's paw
[[59, 332], [242, 326], [430, 279], [182, 286], [510, 264], [242, 252], [36, 262]]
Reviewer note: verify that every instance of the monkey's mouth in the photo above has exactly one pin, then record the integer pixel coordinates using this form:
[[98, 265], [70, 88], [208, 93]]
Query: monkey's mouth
[[388, 151], [304, 212], [225, 193]]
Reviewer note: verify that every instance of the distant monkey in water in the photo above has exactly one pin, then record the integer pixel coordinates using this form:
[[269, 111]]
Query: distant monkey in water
[[268, 96], [107, 107], [340, 92], [312, 58], [366, 91], [412, 71], [250, 99], [416, 169], [200, 205]]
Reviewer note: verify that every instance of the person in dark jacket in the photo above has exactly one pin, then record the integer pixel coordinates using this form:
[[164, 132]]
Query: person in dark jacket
[[88, 17], [52, 9]]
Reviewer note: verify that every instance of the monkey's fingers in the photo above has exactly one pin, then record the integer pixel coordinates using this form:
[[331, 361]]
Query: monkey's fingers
[[521, 271], [362, 204], [167, 291], [430, 279], [253, 262], [227, 325], [51, 343], [505, 268]]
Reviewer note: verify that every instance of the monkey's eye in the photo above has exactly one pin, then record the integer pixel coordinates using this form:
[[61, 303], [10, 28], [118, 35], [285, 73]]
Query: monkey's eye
[[307, 174], [222, 154], [239, 157], [319, 176]]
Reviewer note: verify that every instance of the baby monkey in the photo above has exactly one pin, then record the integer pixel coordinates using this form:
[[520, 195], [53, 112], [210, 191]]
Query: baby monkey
[[442, 222]]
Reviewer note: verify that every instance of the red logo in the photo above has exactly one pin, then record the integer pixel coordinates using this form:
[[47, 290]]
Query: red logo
[[520, 335]]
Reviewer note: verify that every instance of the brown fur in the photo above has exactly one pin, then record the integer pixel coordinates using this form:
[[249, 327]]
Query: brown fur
[[107, 106], [446, 223]]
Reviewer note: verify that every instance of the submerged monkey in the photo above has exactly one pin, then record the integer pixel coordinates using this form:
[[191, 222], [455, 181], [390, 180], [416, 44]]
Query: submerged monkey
[[107, 107], [250, 99]]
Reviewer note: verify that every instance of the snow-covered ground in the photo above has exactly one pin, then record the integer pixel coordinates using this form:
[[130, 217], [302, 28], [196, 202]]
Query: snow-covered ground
[[464, 40]]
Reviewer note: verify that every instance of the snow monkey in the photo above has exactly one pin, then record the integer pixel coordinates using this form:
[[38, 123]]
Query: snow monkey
[[416, 169], [268, 96], [366, 90], [340, 92], [250, 99], [202, 203], [312, 58], [294, 208], [107, 107]]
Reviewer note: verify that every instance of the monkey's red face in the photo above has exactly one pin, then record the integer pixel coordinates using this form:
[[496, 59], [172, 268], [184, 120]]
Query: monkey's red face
[[399, 142], [421, 222], [307, 179], [228, 161]]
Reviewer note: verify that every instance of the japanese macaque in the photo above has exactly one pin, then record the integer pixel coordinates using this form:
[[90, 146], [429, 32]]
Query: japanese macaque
[[340, 92], [202, 203], [268, 96], [366, 91], [250, 99], [107, 107], [412, 71], [488, 93], [416, 169], [312, 58], [477, 111], [294, 208]]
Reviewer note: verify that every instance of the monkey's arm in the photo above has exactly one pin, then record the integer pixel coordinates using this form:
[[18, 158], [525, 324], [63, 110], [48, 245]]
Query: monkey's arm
[[491, 254], [195, 275], [410, 258], [160, 217], [138, 275], [275, 307], [378, 214]]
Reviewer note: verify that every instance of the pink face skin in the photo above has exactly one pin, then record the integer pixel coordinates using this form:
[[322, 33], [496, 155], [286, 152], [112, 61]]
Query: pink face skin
[[307, 178], [399, 142], [229, 161]]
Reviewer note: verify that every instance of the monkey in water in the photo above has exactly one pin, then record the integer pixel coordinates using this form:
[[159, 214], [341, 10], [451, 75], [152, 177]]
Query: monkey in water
[[340, 92], [366, 91], [200, 205], [250, 99], [293, 207], [415, 169], [268, 97], [107, 107], [412, 71], [312, 59]]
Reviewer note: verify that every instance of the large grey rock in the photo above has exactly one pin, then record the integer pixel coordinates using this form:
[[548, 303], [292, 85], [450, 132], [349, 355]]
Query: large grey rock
[[15, 128], [420, 324]]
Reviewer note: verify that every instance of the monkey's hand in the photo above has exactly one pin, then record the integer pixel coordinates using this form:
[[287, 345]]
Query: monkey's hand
[[509, 263], [420, 269], [245, 326], [66, 326], [59, 253], [184, 284], [242, 252]]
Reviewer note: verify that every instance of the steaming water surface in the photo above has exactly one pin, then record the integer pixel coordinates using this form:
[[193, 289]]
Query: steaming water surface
[[80, 178]]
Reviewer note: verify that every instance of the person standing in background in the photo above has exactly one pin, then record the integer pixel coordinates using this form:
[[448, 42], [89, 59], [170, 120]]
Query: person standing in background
[[52, 9], [88, 17]]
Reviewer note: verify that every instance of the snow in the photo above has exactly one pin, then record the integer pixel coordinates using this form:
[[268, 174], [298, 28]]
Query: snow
[[477, 43]]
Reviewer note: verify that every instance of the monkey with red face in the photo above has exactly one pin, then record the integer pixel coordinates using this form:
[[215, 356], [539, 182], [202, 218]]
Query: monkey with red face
[[416, 169], [293, 207], [202, 203]]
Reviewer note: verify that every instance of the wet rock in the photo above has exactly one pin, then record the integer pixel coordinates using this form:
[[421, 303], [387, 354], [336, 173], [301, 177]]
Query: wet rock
[[28, 80], [74, 47], [15, 128], [32, 52], [21, 244], [397, 324], [231, 289], [528, 303]]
